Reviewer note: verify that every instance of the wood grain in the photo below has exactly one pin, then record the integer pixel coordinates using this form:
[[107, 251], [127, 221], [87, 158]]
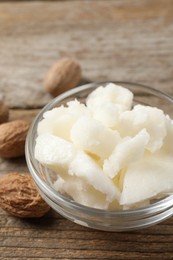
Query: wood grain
[[113, 40], [53, 237]]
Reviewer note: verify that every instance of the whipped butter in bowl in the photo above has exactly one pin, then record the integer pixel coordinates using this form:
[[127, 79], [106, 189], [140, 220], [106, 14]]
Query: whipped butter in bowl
[[101, 155]]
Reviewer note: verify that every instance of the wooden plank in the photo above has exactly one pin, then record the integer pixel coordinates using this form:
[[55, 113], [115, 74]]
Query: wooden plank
[[113, 40]]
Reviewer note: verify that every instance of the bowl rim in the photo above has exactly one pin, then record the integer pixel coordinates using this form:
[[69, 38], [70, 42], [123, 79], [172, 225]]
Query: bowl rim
[[70, 203]]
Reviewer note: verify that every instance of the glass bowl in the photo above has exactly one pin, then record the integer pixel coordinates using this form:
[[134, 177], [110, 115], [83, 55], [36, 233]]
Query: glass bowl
[[108, 220]]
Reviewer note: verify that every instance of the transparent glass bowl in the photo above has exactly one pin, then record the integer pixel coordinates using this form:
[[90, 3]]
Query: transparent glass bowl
[[116, 220]]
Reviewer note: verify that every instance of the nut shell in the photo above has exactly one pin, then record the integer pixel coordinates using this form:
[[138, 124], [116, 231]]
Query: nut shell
[[12, 138], [65, 74], [4, 112], [19, 196]]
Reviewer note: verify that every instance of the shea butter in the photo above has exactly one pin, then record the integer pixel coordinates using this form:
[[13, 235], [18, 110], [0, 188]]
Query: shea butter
[[109, 152]]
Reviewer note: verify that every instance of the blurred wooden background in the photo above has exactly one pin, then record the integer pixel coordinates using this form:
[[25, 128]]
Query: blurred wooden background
[[113, 40], [127, 40]]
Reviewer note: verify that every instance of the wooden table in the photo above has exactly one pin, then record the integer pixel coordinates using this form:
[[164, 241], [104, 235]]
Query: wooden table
[[127, 40]]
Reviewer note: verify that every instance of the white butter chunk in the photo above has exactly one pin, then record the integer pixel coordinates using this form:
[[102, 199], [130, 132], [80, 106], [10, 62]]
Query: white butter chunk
[[140, 117], [54, 152], [93, 137], [86, 168], [60, 120], [112, 93], [107, 113], [129, 150], [82, 192], [146, 179], [77, 109], [63, 158]]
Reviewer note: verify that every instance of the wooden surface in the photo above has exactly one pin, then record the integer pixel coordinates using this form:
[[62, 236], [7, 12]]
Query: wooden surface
[[113, 40]]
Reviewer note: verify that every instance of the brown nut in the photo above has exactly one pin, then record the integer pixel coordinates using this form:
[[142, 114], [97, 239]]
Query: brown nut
[[65, 74], [19, 196], [4, 112], [12, 138]]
